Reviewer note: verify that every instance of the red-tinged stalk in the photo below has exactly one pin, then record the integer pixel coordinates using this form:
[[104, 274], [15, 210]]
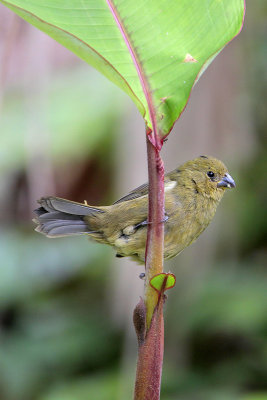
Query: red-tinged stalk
[[150, 353], [150, 357], [151, 347], [155, 235]]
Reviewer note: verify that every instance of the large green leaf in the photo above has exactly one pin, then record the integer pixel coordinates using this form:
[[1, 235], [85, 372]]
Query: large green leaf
[[152, 49]]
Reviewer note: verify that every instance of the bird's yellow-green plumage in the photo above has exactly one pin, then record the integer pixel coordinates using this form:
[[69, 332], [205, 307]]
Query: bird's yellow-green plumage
[[192, 193]]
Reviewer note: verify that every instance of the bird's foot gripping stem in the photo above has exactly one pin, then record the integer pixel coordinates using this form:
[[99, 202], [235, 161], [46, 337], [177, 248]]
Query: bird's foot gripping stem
[[146, 222]]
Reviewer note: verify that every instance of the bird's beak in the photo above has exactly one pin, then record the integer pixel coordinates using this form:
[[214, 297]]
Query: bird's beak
[[227, 182]]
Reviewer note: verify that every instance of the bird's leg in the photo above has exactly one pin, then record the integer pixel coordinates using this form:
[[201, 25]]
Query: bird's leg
[[165, 219], [131, 229], [146, 222]]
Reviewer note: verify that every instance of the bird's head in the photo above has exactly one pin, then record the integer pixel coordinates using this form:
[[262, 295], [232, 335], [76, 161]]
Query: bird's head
[[209, 176]]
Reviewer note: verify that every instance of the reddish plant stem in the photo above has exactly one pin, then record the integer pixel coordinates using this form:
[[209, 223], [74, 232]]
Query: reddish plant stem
[[155, 235], [150, 354], [150, 358]]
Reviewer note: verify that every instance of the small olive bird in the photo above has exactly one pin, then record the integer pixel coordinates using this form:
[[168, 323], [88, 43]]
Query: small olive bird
[[192, 193]]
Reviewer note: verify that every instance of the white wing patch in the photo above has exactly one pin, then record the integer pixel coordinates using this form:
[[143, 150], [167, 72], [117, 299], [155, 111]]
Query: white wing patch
[[169, 186]]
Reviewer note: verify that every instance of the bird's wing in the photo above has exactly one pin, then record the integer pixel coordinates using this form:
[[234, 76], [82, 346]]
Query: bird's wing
[[142, 190], [138, 192]]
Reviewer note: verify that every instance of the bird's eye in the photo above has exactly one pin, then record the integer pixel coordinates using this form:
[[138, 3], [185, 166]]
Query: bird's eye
[[210, 174]]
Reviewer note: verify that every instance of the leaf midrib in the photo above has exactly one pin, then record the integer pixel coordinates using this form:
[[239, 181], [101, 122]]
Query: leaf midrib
[[154, 137]]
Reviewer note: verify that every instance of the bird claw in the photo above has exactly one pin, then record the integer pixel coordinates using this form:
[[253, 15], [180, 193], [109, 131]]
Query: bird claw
[[165, 219], [144, 223]]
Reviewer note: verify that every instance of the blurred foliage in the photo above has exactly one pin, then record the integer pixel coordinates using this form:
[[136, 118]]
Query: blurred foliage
[[58, 340], [102, 386], [50, 314], [46, 296], [76, 109]]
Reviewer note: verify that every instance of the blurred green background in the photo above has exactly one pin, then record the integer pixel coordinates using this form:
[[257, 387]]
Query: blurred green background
[[66, 305]]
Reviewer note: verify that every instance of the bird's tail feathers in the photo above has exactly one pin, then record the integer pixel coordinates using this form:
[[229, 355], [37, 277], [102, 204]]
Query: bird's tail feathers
[[59, 217]]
